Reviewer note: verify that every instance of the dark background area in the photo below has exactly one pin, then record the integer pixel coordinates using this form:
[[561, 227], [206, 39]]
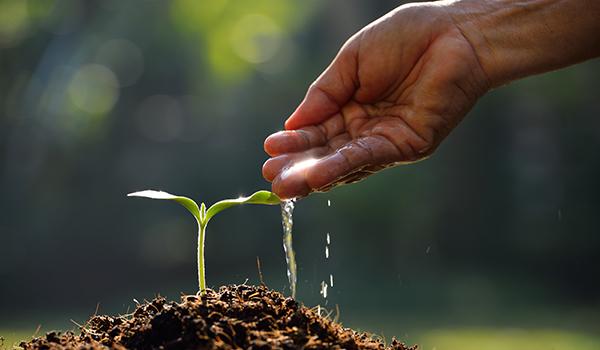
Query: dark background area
[[499, 228]]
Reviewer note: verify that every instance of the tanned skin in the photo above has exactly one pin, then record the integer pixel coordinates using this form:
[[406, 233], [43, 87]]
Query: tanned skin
[[400, 85]]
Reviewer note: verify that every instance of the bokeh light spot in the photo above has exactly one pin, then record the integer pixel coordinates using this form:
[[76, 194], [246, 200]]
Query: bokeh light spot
[[196, 15], [94, 89], [256, 38], [14, 22]]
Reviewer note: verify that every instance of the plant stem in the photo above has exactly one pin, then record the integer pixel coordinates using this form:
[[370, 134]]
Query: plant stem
[[201, 273]]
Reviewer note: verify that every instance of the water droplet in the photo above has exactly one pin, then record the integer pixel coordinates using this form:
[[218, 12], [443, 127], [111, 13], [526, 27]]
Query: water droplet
[[328, 238], [428, 249], [324, 289], [331, 280], [326, 252], [328, 203]]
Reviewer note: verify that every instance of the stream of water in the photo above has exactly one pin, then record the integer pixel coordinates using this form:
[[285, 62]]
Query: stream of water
[[287, 208]]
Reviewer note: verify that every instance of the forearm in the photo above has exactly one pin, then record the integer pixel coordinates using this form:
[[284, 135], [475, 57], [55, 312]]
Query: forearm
[[514, 39]]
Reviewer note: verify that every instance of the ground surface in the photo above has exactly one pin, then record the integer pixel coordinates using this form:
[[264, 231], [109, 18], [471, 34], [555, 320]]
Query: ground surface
[[235, 317]]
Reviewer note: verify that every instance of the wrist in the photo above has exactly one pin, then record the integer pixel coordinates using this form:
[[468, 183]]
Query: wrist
[[517, 38]]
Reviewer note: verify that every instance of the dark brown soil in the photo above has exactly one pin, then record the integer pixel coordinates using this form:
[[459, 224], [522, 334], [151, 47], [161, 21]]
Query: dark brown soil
[[235, 317]]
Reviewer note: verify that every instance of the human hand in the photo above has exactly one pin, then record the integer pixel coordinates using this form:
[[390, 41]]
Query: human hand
[[392, 94]]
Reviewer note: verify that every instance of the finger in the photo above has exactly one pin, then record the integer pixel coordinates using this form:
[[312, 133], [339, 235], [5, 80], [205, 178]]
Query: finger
[[332, 89], [291, 181], [273, 166], [290, 187], [302, 176], [368, 152], [345, 161], [339, 141], [291, 141], [291, 162], [380, 148]]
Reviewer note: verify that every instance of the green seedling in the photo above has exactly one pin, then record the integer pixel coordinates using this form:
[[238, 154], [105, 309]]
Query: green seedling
[[203, 215]]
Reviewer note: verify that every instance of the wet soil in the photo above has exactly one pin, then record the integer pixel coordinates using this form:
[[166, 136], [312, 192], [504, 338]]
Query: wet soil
[[234, 317]]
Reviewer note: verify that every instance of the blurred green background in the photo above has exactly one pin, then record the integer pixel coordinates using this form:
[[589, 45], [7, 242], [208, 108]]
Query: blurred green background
[[493, 243]]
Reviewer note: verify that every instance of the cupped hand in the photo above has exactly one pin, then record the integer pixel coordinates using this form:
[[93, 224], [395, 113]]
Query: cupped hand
[[391, 95]]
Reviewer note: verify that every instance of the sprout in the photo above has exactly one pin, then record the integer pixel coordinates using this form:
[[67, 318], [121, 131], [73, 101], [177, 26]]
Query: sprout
[[203, 215]]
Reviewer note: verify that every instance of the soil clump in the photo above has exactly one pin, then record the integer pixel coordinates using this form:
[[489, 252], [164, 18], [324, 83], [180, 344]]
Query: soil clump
[[234, 317]]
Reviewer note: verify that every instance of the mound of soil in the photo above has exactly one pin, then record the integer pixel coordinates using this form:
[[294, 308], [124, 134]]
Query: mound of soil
[[235, 317]]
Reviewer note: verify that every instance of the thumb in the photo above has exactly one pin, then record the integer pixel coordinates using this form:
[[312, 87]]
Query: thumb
[[332, 89]]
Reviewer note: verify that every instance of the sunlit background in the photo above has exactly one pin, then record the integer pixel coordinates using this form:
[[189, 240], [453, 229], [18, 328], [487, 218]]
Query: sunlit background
[[493, 243]]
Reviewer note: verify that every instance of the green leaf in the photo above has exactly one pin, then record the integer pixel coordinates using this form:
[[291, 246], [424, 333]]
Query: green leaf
[[260, 197], [189, 204]]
